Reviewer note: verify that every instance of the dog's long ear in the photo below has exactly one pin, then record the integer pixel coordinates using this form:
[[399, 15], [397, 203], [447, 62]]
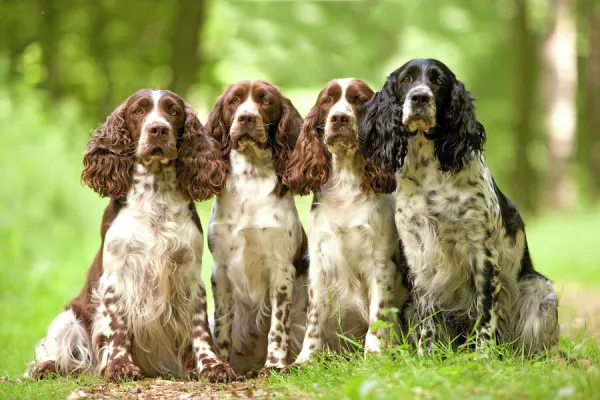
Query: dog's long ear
[[376, 179], [109, 157], [217, 127], [382, 136], [309, 163], [460, 134], [286, 136], [201, 169]]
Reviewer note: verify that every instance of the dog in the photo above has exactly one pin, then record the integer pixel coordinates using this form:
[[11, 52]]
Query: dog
[[464, 241]]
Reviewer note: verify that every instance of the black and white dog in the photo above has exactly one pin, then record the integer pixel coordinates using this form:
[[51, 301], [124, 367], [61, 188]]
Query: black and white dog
[[463, 239]]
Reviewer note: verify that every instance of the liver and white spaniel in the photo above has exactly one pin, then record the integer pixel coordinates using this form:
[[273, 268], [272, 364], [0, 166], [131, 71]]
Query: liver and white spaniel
[[142, 310], [357, 266], [464, 240], [255, 234]]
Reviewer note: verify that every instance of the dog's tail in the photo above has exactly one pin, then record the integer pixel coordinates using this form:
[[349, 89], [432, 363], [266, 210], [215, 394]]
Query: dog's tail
[[67, 348], [537, 318]]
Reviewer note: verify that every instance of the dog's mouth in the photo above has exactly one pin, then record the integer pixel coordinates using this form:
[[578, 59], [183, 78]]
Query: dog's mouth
[[418, 122], [244, 139], [162, 154], [341, 138]]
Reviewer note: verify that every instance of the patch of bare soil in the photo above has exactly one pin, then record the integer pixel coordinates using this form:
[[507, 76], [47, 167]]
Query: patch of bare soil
[[184, 390]]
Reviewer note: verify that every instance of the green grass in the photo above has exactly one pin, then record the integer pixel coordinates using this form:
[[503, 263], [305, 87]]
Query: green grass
[[452, 375], [399, 373], [49, 233]]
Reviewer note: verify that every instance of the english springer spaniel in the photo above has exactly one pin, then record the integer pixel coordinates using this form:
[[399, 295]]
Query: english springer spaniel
[[357, 266], [463, 239], [255, 235], [142, 310]]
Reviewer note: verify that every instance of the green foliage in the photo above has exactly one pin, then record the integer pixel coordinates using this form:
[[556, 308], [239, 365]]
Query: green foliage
[[98, 52]]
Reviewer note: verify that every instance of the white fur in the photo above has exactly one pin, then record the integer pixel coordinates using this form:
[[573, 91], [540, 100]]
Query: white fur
[[352, 242], [254, 236], [156, 297], [67, 344]]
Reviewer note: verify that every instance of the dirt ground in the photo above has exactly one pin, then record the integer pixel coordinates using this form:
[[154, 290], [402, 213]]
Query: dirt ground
[[166, 389]]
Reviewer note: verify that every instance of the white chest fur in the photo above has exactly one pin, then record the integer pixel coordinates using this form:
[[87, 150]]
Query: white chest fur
[[152, 257], [252, 230], [348, 231]]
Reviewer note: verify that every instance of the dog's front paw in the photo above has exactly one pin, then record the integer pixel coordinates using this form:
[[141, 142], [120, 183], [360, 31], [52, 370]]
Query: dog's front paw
[[266, 371], [118, 371], [42, 370], [218, 372], [296, 366]]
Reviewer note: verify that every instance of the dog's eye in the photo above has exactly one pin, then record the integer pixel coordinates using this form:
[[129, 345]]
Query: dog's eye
[[439, 82], [361, 100], [138, 111], [328, 100], [173, 112], [406, 80], [234, 100], [266, 101]]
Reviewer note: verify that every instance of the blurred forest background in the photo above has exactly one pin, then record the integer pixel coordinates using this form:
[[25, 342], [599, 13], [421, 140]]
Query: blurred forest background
[[65, 65]]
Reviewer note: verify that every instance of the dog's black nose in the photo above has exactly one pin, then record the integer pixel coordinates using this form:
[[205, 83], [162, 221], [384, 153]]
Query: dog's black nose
[[420, 98]]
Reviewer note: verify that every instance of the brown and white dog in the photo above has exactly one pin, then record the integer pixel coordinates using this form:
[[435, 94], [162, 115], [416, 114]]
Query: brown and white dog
[[357, 267], [142, 310], [255, 235]]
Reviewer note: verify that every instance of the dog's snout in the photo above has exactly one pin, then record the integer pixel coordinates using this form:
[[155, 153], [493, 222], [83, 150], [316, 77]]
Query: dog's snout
[[340, 119], [158, 130], [420, 98], [246, 120]]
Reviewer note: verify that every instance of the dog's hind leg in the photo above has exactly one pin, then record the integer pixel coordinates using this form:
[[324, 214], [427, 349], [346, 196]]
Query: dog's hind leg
[[65, 349]]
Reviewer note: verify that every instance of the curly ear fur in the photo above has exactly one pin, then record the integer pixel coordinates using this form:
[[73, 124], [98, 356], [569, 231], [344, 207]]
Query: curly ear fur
[[201, 169], [376, 179], [217, 128], [382, 135], [288, 130], [460, 133], [108, 158], [310, 162]]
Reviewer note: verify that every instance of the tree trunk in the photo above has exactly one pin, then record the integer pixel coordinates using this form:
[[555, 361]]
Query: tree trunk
[[561, 84], [186, 56], [592, 95], [524, 175], [49, 38], [100, 53]]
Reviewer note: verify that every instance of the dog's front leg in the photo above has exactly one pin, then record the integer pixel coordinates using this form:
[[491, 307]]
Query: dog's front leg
[[282, 285], [381, 296], [487, 284], [112, 339], [208, 364], [221, 287]]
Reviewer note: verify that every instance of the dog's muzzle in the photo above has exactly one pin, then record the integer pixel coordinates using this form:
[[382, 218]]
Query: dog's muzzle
[[418, 112]]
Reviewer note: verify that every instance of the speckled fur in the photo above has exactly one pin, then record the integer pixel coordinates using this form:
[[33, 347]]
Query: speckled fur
[[255, 236], [464, 240], [450, 224]]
